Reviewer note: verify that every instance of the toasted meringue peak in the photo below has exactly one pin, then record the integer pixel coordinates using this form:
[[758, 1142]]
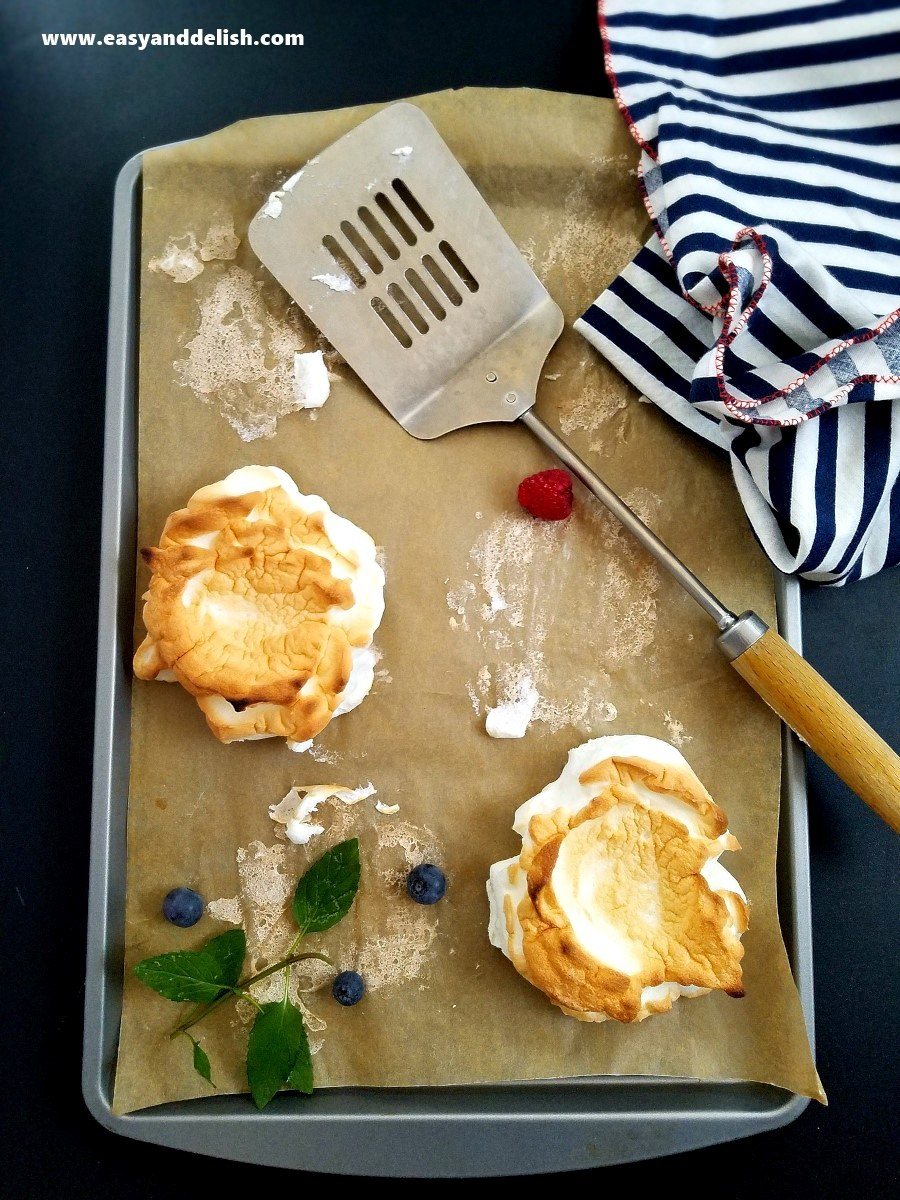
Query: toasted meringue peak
[[617, 903], [262, 604]]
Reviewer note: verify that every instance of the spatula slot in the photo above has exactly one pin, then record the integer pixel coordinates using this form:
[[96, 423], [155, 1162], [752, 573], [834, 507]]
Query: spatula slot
[[380, 235], [390, 211], [458, 266], [391, 321], [425, 294], [412, 204], [440, 278], [343, 260], [406, 306], [362, 247]]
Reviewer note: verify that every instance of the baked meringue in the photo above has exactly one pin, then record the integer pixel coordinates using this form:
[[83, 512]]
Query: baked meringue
[[294, 811], [617, 904], [262, 604]]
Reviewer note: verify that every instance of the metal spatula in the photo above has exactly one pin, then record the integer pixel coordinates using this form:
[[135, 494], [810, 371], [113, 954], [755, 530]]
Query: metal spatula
[[388, 246]]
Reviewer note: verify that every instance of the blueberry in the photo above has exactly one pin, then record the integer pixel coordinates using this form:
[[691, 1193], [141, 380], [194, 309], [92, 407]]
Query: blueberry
[[348, 988], [426, 884], [183, 906]]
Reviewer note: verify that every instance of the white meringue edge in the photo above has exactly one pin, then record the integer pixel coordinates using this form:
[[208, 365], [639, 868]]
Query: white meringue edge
[[312, 386], [294, 810]]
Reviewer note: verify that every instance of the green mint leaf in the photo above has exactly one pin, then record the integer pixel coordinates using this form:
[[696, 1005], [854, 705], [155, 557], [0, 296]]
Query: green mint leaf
[[273, 1049], [301, 1076], [228, 950], [197, 976], [201, 1062], [189, 975], [325, 893]]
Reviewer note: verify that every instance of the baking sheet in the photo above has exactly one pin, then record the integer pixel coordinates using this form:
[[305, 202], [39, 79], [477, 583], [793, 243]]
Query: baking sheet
[[556, 169]]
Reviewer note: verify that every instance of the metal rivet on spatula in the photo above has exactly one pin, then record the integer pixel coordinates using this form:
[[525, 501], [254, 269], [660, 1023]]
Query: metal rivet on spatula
[[510, 397], [491, 377]]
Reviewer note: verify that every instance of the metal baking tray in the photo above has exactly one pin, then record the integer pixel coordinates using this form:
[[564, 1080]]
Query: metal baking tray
[[517, 1128]]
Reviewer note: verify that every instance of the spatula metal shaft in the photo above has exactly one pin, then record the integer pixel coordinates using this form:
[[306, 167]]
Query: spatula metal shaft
[[722, 616]]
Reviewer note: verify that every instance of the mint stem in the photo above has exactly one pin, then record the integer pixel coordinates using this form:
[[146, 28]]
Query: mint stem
[[250, 998], [240, 988]]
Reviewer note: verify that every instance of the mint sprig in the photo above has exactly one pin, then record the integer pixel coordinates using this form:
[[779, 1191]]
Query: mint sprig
[[278, 1053], [227, 950], [201, 1059], [277, 1041], [198, 976], [324, 894]]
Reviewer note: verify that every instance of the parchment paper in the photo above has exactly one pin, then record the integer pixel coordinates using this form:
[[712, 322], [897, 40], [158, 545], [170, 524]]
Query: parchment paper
[[559, 171]]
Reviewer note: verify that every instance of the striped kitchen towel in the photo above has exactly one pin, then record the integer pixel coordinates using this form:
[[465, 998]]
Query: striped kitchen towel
[[764, 312]]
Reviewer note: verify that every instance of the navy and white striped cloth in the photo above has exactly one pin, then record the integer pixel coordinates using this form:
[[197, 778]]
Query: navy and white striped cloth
[[764, 313]]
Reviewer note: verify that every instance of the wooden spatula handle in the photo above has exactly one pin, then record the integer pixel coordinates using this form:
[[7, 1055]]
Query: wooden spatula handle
[[825, 721]]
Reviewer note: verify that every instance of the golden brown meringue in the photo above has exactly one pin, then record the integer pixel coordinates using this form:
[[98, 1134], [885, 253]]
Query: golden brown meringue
[[617, 904], [262, 604]]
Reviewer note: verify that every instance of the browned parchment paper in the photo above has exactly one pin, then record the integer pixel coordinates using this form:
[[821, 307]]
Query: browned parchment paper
[[609, 631]]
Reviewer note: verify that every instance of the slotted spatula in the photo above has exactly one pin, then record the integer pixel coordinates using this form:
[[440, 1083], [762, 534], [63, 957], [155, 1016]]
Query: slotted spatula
[[384, 241]]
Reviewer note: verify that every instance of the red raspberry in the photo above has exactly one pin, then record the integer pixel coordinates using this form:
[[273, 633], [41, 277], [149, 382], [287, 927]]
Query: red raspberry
[[547, 495]]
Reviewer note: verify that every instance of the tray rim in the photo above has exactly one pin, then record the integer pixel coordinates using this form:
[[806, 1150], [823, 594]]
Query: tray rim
[[516, 1128]]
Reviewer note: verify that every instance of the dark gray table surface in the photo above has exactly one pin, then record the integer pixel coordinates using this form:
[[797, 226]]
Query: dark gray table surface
[[71, 117]]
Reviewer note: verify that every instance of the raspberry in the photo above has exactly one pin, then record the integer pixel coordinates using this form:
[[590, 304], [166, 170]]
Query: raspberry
[[547, 495]]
